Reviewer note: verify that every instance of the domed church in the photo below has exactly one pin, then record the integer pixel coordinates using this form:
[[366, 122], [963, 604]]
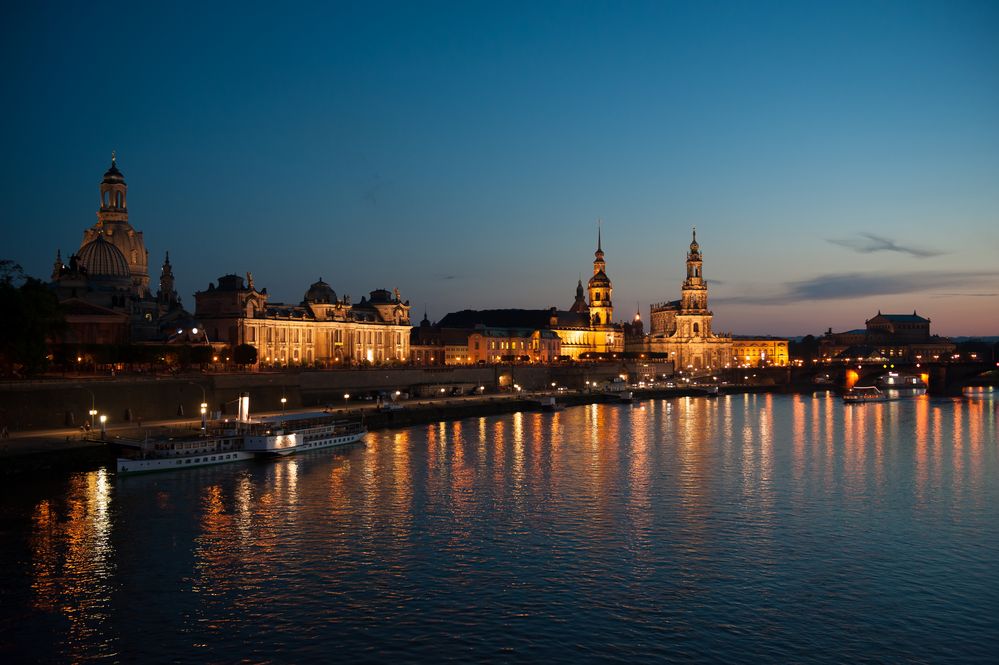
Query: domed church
[[104, 286]]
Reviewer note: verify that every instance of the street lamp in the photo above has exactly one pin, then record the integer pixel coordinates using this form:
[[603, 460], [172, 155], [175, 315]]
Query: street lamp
[[104, 425], [284, 400], [204, 416], [346, 396]]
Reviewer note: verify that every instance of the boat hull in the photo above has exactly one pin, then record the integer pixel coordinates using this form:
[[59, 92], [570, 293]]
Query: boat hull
[[128, 466]]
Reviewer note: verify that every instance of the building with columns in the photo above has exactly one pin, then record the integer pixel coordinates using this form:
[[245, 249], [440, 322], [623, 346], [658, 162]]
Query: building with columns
[[321, 331], [682, 330]]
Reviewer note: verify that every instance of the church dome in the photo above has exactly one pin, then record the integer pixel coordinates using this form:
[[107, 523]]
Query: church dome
[[113, 175], [320, 292], [101, 258]]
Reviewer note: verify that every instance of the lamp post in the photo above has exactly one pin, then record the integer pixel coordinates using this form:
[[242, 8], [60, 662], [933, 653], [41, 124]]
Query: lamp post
[[346, 397], [203, 406], [104, 425], [284, 401], [93, 410]]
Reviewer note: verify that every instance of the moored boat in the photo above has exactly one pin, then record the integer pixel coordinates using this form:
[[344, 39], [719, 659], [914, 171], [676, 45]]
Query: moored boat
[[303, 431], [549, 404], [236, 441], [183, 451], [864, 394]]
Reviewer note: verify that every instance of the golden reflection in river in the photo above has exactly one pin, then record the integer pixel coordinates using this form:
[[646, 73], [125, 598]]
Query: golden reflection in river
[[517, 469], [498, 452], [958, 453], [216, 549], [976, 435], [692, 432], [921, 443], [73, 563], [801, 436], [936, 450], [640, 508]]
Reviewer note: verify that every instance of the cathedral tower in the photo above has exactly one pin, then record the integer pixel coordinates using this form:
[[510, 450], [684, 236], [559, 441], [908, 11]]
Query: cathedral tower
[[167, 295], [112, 223], [601, 308], [694, 319]]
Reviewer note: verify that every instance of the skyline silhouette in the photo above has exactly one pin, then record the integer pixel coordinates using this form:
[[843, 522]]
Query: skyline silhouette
[[835, 160]]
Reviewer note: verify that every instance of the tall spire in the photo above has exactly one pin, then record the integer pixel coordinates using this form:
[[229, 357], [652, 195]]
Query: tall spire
[[598, 260]]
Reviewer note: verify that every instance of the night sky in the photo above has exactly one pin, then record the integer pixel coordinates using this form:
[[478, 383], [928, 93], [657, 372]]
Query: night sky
[[836, 158]]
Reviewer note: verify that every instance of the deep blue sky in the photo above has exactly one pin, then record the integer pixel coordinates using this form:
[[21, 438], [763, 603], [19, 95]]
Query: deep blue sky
[[836, 158]]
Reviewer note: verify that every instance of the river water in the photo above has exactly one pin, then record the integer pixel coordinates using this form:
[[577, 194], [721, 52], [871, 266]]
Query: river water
[[747, 528]]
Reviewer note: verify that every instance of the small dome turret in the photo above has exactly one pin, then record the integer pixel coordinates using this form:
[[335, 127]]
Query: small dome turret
[[113, 176], [320, 293]]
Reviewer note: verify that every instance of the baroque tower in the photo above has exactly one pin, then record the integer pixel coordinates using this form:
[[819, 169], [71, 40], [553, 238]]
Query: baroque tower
[[694, 319], [112, 223], [579, 305], [167, 295], [601, 308]]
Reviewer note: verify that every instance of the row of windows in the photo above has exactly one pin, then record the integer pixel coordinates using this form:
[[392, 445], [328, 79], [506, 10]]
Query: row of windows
[[212, 458], [296, 335]]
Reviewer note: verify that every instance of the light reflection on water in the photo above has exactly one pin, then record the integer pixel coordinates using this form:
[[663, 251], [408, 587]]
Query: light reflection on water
[[747, 527]]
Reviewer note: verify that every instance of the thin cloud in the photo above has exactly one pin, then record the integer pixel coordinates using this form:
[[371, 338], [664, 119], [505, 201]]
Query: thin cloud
[[868, 243], [841, 286]]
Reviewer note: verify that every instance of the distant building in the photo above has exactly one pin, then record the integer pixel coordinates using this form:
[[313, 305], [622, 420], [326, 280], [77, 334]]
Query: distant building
[[104, 287], [471, 337], [321, 331], [681, 330], [528, 335], [889, 337]]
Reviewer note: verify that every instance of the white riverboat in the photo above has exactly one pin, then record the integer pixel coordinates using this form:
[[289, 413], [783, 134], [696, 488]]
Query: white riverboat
[[301, 431], [235, 442], [180, 452]]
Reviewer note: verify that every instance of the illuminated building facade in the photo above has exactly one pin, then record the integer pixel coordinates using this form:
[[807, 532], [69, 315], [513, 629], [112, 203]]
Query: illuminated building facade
[[589, 328], [527, 335], [887, 337], [322, 331], [682, 330]]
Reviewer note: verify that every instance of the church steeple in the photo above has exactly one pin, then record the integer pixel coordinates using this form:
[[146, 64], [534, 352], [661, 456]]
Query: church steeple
[[167, 295], [599, 265], [57, 266], [579, 305], [601, 309], [694, 294], [694, 262]]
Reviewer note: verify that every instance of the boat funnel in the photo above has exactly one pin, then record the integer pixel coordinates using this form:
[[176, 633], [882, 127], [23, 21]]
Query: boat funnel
[[243, 408]]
